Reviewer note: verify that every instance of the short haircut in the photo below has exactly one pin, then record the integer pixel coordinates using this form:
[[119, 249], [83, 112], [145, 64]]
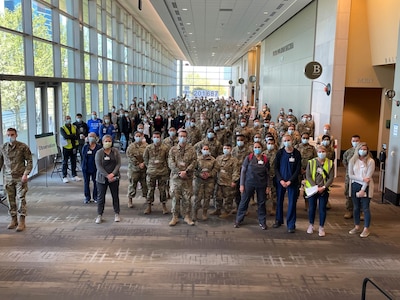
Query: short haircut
[[12, 129]]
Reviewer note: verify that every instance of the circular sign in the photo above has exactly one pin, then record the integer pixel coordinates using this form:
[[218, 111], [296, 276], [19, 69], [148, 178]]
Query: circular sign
[[313, 70], [241, 80], [390, 94], [230, 81], [252, 78]]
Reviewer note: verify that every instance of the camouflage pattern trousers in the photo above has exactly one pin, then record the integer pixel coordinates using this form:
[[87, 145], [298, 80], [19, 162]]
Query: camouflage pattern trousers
[[134, 177], [225, 196], [181, 192], [203, 191], [152, 182], [349, 201], [16, 191]]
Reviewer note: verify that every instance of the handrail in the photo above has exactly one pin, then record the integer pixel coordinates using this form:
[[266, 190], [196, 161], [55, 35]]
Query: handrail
[[364, 287]]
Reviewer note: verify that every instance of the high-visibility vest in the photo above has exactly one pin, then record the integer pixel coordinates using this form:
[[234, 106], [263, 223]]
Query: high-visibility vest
[[73, 131], [313, 169]]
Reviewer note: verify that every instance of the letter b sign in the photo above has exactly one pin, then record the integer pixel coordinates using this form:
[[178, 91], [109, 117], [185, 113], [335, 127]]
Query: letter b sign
[[313, 70]]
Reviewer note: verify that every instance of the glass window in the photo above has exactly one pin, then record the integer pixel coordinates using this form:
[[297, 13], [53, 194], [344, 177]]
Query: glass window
[[87, 66], [67, 63], [12, 17], [11, 53], [85, 9], [41, 21], [13, 104], [66, 31], [100, 66], [86, 44], [100, 44], [67, 6], [38, 108], [43, 58]]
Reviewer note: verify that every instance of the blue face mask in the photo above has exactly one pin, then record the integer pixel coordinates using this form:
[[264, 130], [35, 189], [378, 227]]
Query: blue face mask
[[240, 143], [226, 151], [287, 143], [257, 151], [182, 139], [156, 140]]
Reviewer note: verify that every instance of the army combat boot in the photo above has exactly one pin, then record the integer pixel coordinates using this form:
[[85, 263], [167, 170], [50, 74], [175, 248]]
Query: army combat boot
[[164, 209], [130, 204], [147, 211], [174, 220], [204, 217], [21, 224], [195, 213], [216, 212], [188, 220], [13, 223]]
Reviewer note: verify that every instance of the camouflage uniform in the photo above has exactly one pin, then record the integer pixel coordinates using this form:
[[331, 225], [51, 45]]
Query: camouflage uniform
[[193, 135], [170, 141], [182, 159], [246, 131], [307, 152], [228, 172], [271, 198], [214, 145], [155, 158], [17, 161], [134, 153], [203, 188], [240, 154], [347, 155]]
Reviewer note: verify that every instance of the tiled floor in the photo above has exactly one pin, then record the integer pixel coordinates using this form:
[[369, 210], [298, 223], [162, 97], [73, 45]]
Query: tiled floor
[[63, 254]]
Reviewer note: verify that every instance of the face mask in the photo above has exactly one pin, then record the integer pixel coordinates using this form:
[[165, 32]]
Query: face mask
[[226, 151], [287, 143], [107, 145], [10, 139], [242, 124], [94, 117], [290, 131], [92, 139], [126, 115], [182, 139], [308, 119], [144, 120], [192, 124], [222, 126], [240, 143], [156, 140], [138, 139], [106, 121], [304, 120], [321, 155], [78, 120], [257, 151], [289, 120], [216, 128], [270, 147], [68, 121], [281, 112], [140, 129], [362, 152], [256, 124], [181, 114], [325, 143], [266, 125], [172, 133], [326, 131], [210, 135], [280, 120], [205, 152], [354, 144], [227, 116], [257, 140], [304, 141]]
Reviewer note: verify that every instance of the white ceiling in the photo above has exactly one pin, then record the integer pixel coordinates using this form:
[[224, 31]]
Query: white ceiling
[[212, 32]]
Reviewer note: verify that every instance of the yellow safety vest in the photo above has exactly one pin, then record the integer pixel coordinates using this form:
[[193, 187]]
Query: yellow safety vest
[[313, 168], [69, 143]]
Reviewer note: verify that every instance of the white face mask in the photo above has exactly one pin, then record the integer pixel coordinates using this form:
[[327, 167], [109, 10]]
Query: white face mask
[[270, 147], [354, 144], [362, 152], [321, 155], [107, 145]]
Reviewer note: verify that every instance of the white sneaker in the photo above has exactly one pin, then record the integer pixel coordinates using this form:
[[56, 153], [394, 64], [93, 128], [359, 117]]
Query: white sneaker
[[354, 230], [117, 218], [310, 229], [65, 180], [76, 178], [365, 233], [321, 231], [99, 219]]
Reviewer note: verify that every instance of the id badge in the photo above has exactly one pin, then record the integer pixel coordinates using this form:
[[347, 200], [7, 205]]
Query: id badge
[[182, 164], [291, 159], [260, 162], [89, 152], [106, 158], [156, 161]]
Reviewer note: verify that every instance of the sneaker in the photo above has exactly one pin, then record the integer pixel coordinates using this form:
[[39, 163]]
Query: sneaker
[[291, 230], [98, 219], [263, 226], [348, 215], [76, 178], [354, 230], [310, 229], [65, 180], [86, 201], [117, 218], [321, 231], [365, 233], [236, 225], [277, 224]]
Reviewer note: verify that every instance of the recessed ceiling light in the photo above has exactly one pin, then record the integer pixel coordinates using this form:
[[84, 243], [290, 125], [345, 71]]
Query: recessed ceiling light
[[190, 32], [188, 23], [217, 39], [184, 9], [265, 13]]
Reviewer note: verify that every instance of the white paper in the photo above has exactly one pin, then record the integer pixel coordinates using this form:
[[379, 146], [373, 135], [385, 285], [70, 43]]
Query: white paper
[[311, 190]]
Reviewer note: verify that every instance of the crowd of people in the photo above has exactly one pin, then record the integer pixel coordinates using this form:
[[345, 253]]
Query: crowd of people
[[202, 153]]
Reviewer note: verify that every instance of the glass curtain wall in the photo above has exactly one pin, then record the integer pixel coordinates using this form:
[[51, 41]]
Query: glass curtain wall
[[93, 52]]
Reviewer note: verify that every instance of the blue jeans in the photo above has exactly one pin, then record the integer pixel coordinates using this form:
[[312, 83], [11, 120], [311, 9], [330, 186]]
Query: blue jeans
[[360, 203], [312, 207], [292, 201], [244, 204]]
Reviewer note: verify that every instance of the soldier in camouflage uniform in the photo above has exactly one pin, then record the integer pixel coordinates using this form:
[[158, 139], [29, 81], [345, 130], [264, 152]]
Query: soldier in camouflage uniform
[[307, 152], [136, 166], [272, 148], [155, 158], [212, 142], [205, 173], [228, 173], [240, 151], [182, 161], [16, 157], [194, 135]]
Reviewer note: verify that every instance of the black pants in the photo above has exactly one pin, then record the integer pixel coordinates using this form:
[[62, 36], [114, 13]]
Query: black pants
[[101, 194], [69, 154]]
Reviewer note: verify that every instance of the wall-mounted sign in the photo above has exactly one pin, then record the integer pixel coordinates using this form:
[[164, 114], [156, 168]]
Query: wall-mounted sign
[[313, 70]]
